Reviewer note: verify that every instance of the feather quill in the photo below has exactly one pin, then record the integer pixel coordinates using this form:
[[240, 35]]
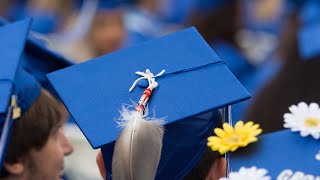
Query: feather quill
[[138, 148]]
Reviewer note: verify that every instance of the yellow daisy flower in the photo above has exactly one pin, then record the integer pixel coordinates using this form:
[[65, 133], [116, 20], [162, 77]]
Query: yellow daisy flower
[[230, 139]]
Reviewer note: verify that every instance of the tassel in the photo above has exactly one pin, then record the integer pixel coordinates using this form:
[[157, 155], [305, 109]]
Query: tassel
[[137, 149]]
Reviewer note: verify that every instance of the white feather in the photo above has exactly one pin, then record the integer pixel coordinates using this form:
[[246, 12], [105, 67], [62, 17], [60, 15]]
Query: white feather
[[138, 148]]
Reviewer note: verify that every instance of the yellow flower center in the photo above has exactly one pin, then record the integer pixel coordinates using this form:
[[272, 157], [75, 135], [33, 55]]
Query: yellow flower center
[[312, 122], [233, 139]]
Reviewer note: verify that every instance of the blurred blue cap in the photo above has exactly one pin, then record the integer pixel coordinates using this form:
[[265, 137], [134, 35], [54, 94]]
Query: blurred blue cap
[[279, 151], [196, 82], [310, 12], [309, 44], [178, 11]]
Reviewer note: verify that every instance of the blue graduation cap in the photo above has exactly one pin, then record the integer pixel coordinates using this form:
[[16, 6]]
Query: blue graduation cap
[[279, 151], [196, 83], [18, 88]]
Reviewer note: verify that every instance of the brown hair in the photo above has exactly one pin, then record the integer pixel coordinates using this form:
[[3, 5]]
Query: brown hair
[[203, 167], [33, 128]]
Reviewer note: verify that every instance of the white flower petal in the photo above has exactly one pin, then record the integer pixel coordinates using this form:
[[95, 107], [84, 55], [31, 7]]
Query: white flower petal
[[303, 107], [296, 119], [288, 116], [315, 135], [304, 133], [314, 107], [293, 109]]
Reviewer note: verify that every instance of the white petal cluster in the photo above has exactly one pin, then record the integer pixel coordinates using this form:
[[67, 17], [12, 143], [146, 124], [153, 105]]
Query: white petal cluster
[[304, 118], [252, 173]]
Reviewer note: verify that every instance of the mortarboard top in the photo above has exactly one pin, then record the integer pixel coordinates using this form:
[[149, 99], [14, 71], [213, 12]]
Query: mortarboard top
[[13, 79], [13, 37], [279, 151], [196, 81]]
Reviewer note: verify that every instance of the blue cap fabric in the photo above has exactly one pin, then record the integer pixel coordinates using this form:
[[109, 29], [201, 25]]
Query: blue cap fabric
[[13, 79], [212, 4], [196, 82], [233, 58], [178, 11], [310, 28], [13, 38], [310, 12], [279, 151], [309, 44]]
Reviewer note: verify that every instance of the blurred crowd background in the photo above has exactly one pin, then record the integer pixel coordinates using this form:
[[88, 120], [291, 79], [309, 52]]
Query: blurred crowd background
[[253, 37]]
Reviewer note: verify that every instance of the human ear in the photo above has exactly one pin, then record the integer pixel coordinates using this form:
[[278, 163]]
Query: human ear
[[16, 168]]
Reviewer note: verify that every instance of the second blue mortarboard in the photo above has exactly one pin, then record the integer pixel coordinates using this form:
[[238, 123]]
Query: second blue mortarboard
[[194, 85], [24, 63], [18, 88]]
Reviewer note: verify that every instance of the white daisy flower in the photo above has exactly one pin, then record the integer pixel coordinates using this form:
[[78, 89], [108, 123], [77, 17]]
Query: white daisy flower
[[304, 118], [252, 173]]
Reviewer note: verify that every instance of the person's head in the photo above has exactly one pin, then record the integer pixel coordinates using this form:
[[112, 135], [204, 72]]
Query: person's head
[[108, 32], [37, 146], [32, 144]]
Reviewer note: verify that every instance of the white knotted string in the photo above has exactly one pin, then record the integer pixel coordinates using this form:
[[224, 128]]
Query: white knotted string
[[149, 76]]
